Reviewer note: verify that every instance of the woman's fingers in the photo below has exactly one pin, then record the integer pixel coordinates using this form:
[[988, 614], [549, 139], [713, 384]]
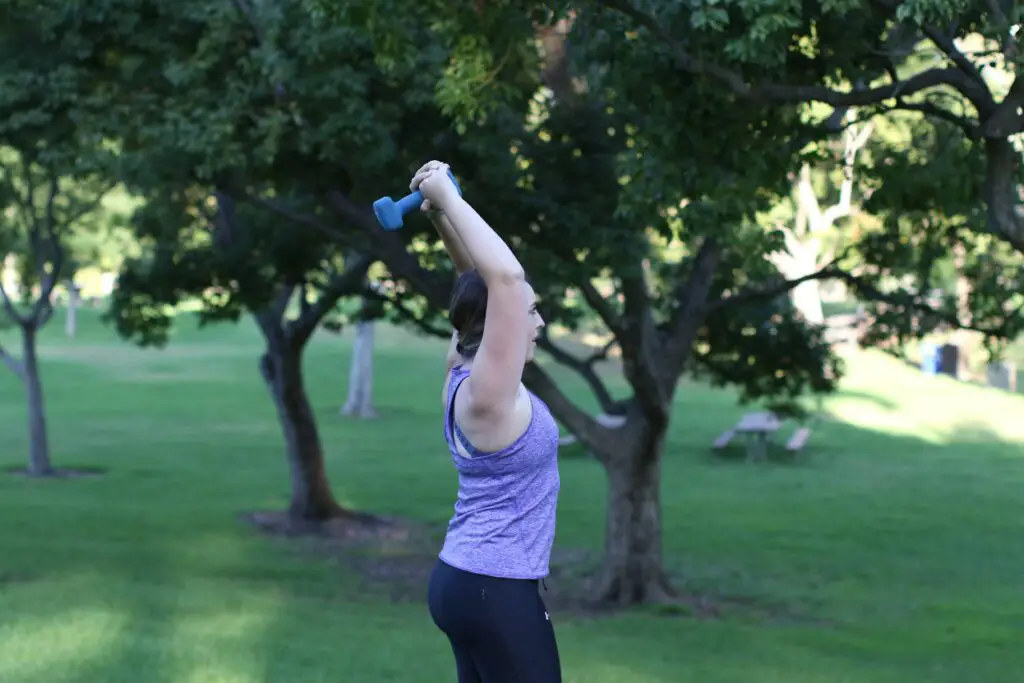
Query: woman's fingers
[[416, 180], [424, 171]]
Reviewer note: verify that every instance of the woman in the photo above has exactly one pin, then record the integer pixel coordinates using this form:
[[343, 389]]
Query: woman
[[503, 441]]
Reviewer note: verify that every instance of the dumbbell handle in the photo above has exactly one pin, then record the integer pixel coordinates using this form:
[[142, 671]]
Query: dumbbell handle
[[409, 202], [389, 213]]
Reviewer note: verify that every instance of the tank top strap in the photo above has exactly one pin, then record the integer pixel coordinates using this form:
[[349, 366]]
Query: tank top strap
[[457, 376]]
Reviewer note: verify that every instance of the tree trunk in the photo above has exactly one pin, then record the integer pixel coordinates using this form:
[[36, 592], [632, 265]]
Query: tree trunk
[[806, 298], [632, 571], [801, 261], [312, 499], [9, 276], [74, 299], [39, 464], [360, 380]]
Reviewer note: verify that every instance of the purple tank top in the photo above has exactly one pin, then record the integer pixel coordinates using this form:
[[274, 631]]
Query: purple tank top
[[504, 521]]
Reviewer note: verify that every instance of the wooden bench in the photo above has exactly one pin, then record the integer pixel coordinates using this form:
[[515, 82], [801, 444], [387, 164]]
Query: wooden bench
[[723, 440], [799, 438]]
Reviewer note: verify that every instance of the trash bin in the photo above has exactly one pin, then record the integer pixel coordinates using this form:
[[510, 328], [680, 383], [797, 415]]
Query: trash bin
[[949, 360], [930, 359]]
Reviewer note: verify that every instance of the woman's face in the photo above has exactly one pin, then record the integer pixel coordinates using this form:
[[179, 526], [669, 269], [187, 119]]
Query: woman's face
[[536, 321]]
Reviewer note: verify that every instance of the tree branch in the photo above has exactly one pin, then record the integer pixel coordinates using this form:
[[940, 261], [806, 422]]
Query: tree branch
[[305, 219], [347, 282], [9, 307], [585, 368], [760, 293], [1008, 117], [970, 128], [855, 141], [642, 349], [689, 316], [1008, 45], [403, 312], [389, 249], [601, 307], [975, 88], [867, 290], [90, 206], [604, 310], [10, 361], [576, 421], [779, 93], [367, 237], [271, 318]]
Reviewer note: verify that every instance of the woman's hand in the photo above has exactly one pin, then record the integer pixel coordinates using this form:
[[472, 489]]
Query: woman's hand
[[437, 188], [426, 207]]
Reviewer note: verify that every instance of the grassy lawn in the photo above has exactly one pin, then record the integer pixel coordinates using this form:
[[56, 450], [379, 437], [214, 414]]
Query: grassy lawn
[[898, 538]]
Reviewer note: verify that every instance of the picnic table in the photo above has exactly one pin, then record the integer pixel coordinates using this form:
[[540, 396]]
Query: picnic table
[[758, 428]]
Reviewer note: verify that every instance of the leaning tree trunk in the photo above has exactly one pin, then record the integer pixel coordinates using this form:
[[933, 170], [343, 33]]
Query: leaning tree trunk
[[312, 499], [360, 379], [74, 300], [632, 572], [39, 464]]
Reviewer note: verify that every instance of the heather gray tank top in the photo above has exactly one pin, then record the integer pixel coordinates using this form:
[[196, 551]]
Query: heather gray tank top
[[504, 521]]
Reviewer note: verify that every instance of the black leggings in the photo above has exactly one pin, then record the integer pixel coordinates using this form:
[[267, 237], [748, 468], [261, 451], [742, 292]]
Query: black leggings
[[499, 629]]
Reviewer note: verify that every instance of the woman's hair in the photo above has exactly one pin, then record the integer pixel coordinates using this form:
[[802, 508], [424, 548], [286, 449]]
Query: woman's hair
[[467, 311]]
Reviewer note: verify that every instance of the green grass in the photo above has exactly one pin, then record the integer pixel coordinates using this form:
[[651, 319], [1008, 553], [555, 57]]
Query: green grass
[[898, 536]]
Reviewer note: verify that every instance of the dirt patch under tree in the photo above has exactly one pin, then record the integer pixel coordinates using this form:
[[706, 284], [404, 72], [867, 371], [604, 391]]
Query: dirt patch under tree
[[393, 559]]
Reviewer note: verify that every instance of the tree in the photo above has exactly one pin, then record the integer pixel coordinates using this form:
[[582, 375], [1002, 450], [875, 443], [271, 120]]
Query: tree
[[44, 198], [54, 171], [360, 378], [234, 259]]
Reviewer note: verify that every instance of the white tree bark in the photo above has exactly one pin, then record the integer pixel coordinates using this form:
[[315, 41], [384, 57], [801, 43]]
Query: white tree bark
[[74, 299], [9, 276], [804, 238], [360, 380]]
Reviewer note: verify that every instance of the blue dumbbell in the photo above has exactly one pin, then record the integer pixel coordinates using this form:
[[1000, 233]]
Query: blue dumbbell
[[390, 213]]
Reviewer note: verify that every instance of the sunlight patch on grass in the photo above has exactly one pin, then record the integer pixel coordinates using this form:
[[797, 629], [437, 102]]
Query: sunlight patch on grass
[[47, 647], [215, 672], [885, 395], [596, 670], [237, 624]]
